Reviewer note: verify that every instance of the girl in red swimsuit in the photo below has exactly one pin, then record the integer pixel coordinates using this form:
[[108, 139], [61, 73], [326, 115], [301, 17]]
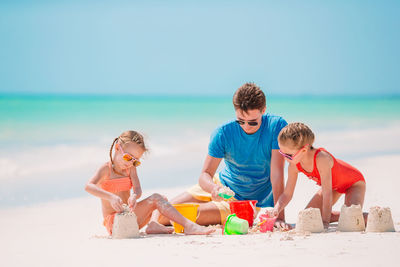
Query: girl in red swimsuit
[[335, 176], [114, 181]]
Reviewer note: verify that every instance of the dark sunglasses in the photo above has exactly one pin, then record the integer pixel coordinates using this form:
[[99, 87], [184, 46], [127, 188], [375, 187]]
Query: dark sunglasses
[[251, 123]]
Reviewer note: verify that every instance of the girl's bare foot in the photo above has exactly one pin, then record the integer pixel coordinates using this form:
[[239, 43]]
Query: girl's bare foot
[[195, 229], [156, 228]]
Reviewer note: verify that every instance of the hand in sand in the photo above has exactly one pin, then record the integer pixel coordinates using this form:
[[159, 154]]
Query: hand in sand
[[116, 203], [282, 225], [194, 229], [214, 194], [132, 202]]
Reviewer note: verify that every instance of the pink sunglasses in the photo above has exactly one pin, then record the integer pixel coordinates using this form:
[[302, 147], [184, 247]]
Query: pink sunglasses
[[291, 156]]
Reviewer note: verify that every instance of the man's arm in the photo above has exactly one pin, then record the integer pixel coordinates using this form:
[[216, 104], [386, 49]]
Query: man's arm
[[277, 180], [206, 177]]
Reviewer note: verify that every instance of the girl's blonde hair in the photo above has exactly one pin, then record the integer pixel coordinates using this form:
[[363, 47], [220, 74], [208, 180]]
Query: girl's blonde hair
[[127, 137], [298, 134]]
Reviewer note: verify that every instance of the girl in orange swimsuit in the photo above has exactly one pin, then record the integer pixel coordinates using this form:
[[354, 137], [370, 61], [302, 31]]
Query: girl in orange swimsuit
[[114, 180], [335, 176]]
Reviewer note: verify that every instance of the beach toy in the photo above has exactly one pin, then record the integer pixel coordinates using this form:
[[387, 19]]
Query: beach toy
[[235, 226], [244, 209], [225, 192], [380, 220], [189, 211], [351, 219], [309, 220], [224, 196], [266, 223], [125, 224]]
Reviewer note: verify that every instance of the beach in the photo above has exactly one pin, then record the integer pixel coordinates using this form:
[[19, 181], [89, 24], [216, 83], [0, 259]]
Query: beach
[[48, 219], [76, 75], [70, 233]]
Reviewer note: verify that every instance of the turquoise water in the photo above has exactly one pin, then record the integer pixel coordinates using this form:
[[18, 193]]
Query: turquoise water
[[40, 119], [51, 145]]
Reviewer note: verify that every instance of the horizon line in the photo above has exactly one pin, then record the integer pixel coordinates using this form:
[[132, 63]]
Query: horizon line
[[183, 95]]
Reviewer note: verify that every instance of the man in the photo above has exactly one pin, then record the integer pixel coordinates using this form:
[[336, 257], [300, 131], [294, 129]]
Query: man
[[253, 165]]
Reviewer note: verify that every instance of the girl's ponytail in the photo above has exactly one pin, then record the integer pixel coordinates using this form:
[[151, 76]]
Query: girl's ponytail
[[115, 140]]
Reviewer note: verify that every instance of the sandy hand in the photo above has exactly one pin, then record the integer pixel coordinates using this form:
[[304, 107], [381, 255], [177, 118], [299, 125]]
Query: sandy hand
[[214, 193], [272, 213], [116, 203], [226, 192]]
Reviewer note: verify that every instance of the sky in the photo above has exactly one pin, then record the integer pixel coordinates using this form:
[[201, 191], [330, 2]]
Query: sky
[[199, 47]]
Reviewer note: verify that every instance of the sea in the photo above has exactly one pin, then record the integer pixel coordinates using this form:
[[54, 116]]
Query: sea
[[51, 145]]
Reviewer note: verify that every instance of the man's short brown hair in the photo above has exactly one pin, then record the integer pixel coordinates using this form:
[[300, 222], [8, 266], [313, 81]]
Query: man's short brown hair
[[249, 96]]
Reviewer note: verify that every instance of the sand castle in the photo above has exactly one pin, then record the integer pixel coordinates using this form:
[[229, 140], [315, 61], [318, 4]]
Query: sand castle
[[380, 220], [125, 224], [309, 220], [351, 219]]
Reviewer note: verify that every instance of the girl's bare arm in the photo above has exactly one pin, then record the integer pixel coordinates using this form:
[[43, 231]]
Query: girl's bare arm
[[92, 185], [324, 166], [287, 194], [137, 188], [93, 188]]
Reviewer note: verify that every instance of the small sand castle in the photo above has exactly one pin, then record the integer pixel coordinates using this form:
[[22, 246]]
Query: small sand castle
[[125, 224], [380, 220], [309, 220], [351, 219]]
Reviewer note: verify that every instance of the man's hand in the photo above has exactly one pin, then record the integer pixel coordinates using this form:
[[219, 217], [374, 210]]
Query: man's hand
[[214, 193]]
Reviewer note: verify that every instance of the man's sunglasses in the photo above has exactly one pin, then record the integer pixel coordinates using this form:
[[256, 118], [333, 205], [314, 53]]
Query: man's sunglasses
[[251, 123]]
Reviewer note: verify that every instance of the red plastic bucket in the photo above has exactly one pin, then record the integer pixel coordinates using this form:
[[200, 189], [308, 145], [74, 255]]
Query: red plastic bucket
[[244, 209]]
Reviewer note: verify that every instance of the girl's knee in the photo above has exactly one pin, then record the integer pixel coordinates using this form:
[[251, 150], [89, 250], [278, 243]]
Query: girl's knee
[[156, 197]]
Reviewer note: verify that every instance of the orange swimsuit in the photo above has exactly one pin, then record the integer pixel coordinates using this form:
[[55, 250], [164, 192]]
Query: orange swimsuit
[[114, 186], [343, 174]]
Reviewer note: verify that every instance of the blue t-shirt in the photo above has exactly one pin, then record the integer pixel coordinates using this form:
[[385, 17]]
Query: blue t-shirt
[[247, 158]]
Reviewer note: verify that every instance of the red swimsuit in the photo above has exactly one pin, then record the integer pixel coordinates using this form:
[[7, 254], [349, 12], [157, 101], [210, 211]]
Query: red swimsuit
[[343, 174]]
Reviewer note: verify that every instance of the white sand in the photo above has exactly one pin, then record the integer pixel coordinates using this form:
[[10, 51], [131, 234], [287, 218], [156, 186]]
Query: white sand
[[70, 233]]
